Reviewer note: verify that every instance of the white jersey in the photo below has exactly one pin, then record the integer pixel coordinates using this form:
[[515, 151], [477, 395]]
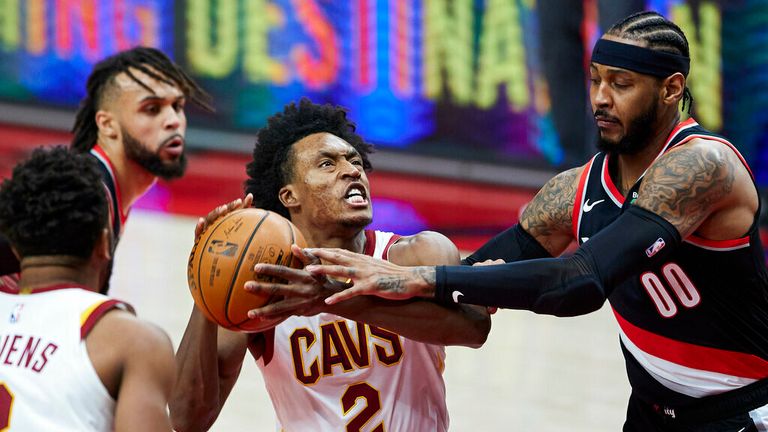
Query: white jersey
[[47, 380], [327, 373]]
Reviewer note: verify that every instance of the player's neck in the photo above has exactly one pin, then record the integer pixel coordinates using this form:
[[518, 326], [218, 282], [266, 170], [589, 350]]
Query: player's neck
[[631, 167], [49, 270], [132, 179], [353, 241]]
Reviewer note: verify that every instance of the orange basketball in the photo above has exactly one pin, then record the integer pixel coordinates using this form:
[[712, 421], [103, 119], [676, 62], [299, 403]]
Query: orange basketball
[[223, 257]]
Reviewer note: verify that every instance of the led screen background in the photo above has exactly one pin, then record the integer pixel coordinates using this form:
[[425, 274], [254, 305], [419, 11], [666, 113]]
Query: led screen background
[[456, 79]]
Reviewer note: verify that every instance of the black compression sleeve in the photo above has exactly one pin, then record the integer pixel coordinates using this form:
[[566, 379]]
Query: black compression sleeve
[[514, 244], [634, 242], [8, 261]]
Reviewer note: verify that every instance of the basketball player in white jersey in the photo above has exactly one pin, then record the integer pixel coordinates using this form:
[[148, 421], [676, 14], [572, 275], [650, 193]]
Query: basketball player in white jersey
[[366, 365], [72, 359]]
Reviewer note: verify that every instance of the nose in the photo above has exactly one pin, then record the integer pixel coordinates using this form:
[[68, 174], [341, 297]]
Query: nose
[[173, 119], [601, 97], [350, 169]]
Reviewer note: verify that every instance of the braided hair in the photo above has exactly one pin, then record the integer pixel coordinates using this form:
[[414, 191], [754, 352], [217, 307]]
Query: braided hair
[[271, 167], [659, 33], [151, 62]]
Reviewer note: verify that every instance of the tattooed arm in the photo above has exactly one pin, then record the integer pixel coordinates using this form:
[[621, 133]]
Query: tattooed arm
[[544, 229], [701, 187]]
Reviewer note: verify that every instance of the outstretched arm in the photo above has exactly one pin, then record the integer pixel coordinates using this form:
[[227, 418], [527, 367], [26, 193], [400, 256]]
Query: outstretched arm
[[637, 240], [419, 320]]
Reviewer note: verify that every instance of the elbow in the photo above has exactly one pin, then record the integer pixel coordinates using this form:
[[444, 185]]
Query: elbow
[[581, 298], [475, 332]]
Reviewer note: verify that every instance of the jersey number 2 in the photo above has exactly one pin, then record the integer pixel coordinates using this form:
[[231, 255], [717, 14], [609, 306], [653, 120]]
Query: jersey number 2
[[372, 403], [681, 285], [6, 400]]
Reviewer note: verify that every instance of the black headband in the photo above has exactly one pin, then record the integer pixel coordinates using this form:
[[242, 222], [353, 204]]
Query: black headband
[[641, 60]]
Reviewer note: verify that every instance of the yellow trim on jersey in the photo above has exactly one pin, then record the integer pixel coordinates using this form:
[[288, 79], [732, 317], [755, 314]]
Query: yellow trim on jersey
[[87, 313]]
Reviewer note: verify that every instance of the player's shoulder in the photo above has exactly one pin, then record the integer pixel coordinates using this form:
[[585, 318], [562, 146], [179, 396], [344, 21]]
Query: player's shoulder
[[701, 154], [131, 335], [424, 248]]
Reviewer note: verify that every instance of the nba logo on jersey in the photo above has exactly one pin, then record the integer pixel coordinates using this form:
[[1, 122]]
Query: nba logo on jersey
[[16, 313], [655, 247]]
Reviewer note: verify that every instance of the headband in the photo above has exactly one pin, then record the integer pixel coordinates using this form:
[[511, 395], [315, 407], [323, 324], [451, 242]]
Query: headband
[[638, 59]]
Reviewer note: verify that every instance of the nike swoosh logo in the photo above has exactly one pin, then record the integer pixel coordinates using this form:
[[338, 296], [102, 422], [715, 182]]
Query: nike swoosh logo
[[742, 429], [456, 295], [588, 207]]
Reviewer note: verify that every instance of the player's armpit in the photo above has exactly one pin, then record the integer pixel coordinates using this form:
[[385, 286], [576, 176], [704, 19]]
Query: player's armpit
[[689, 183], [548, 217], [148, 375]]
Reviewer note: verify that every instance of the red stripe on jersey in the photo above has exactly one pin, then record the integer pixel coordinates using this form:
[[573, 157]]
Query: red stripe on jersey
[[9, 283], [611, 188], [695, 356], [97, 313], [676, 130], [392, 240], [579, 199], [719, 244], [370, 242], [102, 155]]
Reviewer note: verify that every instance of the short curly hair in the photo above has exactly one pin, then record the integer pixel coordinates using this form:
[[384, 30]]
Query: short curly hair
[[272, 167], [54, 204]]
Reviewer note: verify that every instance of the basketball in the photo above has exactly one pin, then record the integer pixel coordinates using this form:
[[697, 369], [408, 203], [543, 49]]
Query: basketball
[[223, 257]]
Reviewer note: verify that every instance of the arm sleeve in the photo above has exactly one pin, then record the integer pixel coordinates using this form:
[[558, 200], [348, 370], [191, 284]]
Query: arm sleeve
[[8, 262], [637, 240], [514, 244]]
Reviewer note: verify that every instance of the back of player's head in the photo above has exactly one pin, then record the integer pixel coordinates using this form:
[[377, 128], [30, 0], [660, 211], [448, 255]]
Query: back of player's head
[[271, 167], [54, 204], [151, 62]]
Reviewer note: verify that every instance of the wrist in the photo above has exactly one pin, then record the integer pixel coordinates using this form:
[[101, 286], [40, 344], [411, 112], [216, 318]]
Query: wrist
[[424, 282]]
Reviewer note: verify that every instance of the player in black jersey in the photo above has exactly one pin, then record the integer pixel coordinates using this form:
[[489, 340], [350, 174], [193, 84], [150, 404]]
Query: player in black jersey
[[666, 218], [132, 121]]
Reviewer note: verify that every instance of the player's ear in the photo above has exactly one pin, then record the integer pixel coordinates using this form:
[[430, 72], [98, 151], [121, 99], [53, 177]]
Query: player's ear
[[672, 89], [288, 196], [107, 124], [103, 248]]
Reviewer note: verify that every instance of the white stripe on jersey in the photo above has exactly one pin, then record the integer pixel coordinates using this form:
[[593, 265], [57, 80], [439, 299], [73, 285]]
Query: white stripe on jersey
[[688, 381]]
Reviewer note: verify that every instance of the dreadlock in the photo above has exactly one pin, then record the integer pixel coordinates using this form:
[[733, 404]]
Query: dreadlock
[[150, 61], [659, 33], [271, 167]]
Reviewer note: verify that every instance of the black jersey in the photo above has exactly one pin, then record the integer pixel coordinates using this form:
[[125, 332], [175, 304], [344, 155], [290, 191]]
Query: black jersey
[[696, 325], [9, 265]]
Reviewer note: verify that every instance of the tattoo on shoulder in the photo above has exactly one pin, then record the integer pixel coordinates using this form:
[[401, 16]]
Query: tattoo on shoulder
[[550, 210], [684, 185]]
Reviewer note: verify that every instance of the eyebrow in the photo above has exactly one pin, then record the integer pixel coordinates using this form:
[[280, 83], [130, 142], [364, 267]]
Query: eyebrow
[[154, 97], [352, 153]]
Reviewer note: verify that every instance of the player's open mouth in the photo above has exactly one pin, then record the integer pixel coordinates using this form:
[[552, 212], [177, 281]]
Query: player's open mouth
[[174, 146], [356, 195]]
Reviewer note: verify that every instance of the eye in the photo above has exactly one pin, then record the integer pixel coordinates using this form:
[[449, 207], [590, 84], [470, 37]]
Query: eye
[[356, 161], [152, 109], [620, 86], [325, 163], [178, 105]]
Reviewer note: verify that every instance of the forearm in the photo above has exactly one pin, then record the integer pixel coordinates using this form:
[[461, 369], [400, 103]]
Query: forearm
[[636, 241], [421, 320], [195, 400], [514, 244]]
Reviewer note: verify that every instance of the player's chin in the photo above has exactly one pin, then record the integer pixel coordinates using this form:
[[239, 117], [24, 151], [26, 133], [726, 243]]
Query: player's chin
[[360, 220]]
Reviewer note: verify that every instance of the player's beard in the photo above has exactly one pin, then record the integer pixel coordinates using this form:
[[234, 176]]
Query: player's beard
[[152, 162], [638, 133]]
